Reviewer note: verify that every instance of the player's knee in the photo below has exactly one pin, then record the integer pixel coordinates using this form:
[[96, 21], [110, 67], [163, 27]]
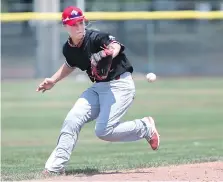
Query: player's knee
[[72, 123], [104, 133]]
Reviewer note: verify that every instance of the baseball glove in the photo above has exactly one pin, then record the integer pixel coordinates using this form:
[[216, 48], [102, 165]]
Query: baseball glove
[[101, 64]]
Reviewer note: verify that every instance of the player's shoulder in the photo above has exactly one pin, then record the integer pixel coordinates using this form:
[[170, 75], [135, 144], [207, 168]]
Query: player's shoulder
[[65, 46], [94, 33]]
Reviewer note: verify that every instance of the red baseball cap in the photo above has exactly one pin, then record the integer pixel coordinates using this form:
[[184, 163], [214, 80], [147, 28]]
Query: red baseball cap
[[71, 15]]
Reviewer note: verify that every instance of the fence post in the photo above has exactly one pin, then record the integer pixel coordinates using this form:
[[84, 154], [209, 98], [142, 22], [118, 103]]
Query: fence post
[[47, 37]]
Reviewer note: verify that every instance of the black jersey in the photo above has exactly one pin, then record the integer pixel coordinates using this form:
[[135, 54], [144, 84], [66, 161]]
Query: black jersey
[[93, 42]]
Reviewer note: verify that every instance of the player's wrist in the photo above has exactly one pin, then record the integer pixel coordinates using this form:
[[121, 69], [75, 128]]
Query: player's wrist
[[106, 52], [54, 80]]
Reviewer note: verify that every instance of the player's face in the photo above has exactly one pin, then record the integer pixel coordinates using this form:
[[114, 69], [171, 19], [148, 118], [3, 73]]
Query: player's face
[[77, 30]]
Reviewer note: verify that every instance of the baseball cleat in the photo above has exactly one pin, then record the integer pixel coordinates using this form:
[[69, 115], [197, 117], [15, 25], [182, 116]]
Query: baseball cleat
[[154, 138], [48, 173]]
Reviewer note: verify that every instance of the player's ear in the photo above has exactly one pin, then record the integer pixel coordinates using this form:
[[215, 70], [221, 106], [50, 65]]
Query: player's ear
[[85, 23]]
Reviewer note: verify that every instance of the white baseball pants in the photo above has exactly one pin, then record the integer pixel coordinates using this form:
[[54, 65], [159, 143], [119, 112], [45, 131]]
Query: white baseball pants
[[106, 102]]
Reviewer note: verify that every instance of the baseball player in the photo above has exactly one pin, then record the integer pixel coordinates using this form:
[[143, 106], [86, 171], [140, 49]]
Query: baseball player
[[107, 100]]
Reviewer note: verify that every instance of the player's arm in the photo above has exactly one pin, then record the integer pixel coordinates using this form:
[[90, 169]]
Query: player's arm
[[109, 46], [63, 72], [109, 42], [66, 68], [115, 48], [110, 49], [48, 83]]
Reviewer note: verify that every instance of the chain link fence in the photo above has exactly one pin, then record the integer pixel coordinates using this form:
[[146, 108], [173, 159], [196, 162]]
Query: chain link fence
[[166, 47]]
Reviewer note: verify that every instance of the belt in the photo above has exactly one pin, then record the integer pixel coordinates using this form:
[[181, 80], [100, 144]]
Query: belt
[[116, 78]]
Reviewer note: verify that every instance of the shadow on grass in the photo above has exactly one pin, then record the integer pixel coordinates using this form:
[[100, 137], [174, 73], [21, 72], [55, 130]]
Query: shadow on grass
[[85, 171], [95, 171]]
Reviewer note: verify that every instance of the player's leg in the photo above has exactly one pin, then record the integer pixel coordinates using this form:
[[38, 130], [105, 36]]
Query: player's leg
[[85, 109], [114, 100]]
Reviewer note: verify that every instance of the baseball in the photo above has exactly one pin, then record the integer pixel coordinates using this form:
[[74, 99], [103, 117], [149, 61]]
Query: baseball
[[151, 77]]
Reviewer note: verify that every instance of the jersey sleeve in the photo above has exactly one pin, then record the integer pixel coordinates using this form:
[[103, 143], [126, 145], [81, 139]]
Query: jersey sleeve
[[70, 63], [105, 39]]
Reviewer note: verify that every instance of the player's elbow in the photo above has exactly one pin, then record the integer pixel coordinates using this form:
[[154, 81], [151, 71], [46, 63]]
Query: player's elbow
[[117, 49]]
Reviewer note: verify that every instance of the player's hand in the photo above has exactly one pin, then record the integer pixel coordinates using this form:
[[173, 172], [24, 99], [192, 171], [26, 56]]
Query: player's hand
[[97, 57], [47, 84], [101, 68]]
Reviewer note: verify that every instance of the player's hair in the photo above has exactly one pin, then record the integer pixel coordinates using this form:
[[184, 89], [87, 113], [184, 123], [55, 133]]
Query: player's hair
[[88, 25]]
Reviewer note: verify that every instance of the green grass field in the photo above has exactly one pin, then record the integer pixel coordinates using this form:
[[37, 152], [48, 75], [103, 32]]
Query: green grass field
[[188, 112]]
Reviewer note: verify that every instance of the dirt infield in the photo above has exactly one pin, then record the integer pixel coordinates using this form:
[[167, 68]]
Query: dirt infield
[[212, 171]]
